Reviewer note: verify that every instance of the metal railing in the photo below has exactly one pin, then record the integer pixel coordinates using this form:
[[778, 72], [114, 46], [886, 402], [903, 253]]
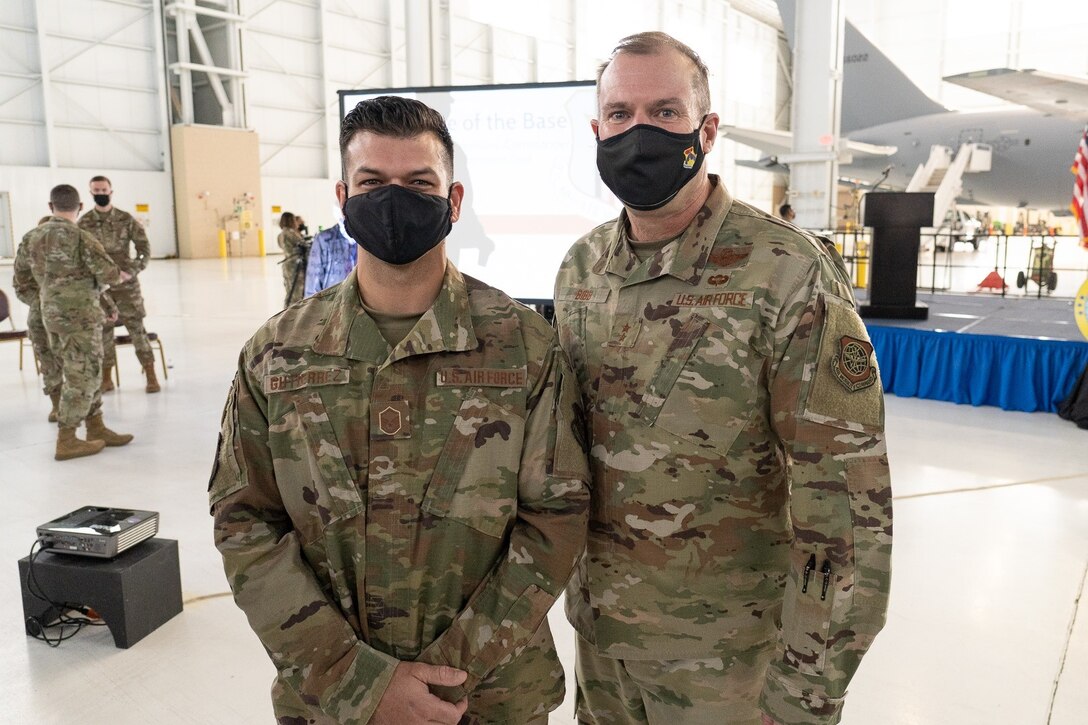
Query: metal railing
[[1036, 265]]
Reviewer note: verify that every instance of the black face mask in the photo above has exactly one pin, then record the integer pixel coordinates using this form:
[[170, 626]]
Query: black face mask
[[102, 199], [397, 225], [646, 166]]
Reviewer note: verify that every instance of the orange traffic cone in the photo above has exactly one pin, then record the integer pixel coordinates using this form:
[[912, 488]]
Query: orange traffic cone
[[993, 281]]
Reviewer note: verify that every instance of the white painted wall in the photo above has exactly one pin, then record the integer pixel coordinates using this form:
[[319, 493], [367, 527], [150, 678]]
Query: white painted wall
[[29, 187]]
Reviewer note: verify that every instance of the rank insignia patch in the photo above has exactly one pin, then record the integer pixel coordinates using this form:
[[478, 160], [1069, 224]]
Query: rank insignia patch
[[390, 419], [853, 366]]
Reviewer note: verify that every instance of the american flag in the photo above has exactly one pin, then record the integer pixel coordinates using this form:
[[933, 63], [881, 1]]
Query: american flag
[[1080, 187]]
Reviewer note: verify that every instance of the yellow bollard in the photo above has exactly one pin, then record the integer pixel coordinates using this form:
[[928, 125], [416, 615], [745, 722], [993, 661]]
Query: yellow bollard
[[260, 241], [222, 242], [861, 270]]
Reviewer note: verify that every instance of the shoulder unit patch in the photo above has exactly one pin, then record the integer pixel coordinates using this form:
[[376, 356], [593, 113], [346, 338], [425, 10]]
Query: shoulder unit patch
[[853, 364]]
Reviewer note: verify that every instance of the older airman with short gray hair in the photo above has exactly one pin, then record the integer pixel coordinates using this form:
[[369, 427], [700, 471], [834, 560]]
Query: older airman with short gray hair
[[737, 566]]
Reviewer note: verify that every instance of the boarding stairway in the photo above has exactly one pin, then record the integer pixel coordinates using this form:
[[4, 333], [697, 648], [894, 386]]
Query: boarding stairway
[[943, 174]]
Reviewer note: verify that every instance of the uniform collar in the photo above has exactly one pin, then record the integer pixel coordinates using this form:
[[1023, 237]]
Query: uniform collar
[[685, 259], [445, 327]]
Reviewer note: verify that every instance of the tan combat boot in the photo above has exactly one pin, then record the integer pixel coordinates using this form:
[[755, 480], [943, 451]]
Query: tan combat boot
[[107, 378], [97, 431], [68, 446], [152, 381], [55, 398]]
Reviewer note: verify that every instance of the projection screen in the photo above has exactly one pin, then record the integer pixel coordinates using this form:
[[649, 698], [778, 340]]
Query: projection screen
[[527, 157]]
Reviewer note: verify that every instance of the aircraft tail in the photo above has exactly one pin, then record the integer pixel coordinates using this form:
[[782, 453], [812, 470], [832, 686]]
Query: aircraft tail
[[874, 90]]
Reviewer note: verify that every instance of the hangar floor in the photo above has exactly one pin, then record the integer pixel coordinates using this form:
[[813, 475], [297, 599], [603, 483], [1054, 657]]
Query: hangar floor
[[990, 560]]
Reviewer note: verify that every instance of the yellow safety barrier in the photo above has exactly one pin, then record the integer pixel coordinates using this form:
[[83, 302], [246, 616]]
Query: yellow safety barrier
[[260, 242], [222, 242]]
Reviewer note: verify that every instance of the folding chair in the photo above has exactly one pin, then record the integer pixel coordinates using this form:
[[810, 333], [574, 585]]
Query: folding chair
[[12, 335]]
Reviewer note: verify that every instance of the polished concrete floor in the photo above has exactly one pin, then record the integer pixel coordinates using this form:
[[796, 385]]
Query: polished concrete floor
[[990, 559]]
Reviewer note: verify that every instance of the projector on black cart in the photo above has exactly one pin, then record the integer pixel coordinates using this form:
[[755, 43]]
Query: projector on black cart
[[98, 531]]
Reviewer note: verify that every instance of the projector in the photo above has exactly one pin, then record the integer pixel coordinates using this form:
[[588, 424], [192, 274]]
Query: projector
[[97, 531]]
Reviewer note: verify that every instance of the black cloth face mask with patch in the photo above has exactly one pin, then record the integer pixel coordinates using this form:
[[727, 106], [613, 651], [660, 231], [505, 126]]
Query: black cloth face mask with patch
[[397, 225], [646, 166]]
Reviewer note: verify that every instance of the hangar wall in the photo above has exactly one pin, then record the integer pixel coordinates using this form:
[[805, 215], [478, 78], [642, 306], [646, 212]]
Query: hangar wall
[[85, 87], [82, 93]]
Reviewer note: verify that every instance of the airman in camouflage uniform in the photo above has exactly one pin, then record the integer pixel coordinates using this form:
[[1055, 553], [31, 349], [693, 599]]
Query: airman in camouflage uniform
[[399, 496], [118, 231], [293, 264], [26, 289], [737, 566], [69, 268]]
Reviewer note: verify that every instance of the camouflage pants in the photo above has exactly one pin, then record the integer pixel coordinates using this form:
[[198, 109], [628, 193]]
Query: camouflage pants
[[130, 313], [80, 356], [712, 691], [293, 274], [47, 361]]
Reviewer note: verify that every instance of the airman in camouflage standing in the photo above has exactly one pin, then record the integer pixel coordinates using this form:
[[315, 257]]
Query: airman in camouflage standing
[[69, 267], [293, 264], [399, 491], [26, 289], [737, 566], [118, 231]]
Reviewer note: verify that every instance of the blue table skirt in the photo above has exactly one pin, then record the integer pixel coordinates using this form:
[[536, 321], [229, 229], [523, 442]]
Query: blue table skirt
[[1012, 373]]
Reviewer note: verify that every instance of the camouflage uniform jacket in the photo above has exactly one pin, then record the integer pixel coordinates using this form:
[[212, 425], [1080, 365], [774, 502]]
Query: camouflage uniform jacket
[[740, 489], [70, 269], [26, 287], [116, 230], [423, 503], [293, 246]]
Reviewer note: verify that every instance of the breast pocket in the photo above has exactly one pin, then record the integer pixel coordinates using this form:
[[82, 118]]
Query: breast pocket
[[706, 387], [475, 479], [317, 462]]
